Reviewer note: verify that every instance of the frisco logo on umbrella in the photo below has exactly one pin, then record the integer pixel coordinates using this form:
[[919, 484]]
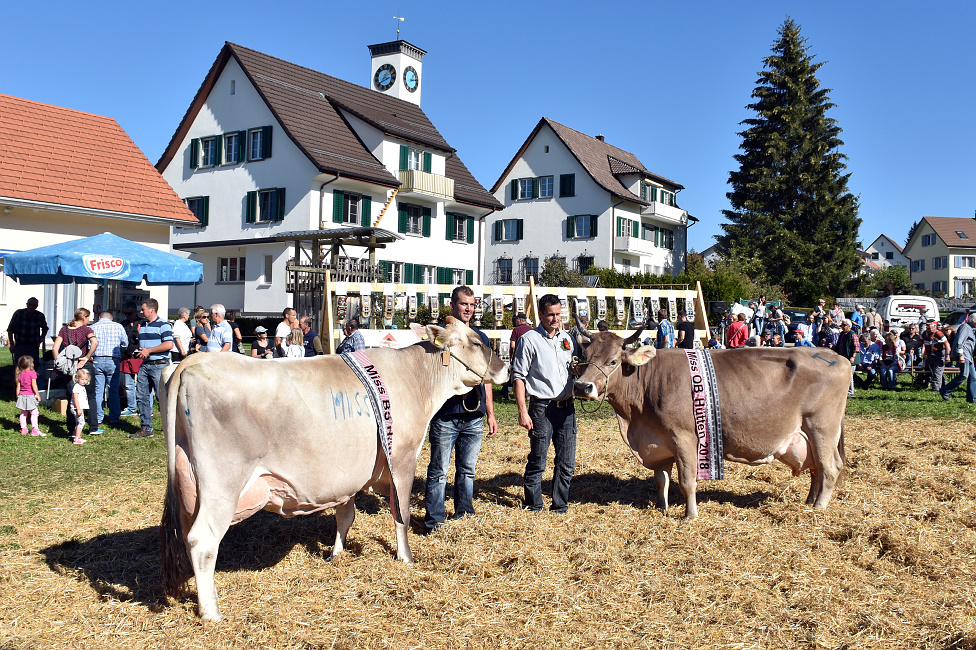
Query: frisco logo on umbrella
[[105, 266]]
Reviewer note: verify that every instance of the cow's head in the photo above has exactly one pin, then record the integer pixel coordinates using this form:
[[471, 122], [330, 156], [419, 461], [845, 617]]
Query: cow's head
[[604, 358], [459, 343]]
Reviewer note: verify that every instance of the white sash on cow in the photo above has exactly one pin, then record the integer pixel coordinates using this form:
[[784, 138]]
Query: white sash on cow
[[708, 415], [372, 381]]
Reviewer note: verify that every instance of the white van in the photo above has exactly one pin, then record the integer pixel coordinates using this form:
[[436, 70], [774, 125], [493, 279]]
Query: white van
[[899, 311]]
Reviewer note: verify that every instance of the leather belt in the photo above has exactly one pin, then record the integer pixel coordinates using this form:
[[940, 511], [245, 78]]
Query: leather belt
[[559, 404], [156, 362]]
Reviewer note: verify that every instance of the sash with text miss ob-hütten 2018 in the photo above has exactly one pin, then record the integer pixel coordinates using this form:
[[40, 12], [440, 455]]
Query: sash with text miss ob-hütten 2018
[[708, 415], [372, 381]]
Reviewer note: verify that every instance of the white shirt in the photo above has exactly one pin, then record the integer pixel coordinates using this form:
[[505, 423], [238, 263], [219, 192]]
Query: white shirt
[[182, 331], [294, 351], [283, 331]]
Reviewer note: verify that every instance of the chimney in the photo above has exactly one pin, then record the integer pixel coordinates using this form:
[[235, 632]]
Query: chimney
[[600, 137]]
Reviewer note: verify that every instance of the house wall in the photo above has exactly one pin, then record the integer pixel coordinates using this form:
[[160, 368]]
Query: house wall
[[882, 245], [27, 228]]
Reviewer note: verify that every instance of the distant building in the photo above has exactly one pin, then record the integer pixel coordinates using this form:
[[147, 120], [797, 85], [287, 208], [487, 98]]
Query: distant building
[[942, 256], [269, 147], [711, 256], [65, 175], [885, 252], [574, 196]]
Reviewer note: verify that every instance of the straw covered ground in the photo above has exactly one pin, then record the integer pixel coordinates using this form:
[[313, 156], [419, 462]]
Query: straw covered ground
[[890, 564]]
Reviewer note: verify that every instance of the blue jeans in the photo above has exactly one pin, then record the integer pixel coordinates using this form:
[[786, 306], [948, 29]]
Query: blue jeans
[[107, 373], [966, 371], [463, 434], [558, 425], [146, 386], [889, 376], [129, 382]]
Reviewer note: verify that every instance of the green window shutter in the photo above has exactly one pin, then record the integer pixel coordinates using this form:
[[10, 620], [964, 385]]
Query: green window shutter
[[338, 204], [266, 142], [407, 273], [194, 153], [469, 230], [518, 229], [593, 221], [241, 146], [515, 189], [251, 207], [636, 231], [440, 275], [386, 269], [498, 230], [366, 211], [654, 194], [469, 277], [402, 220], [620, 226], [280, 200], [427, 161], [450, 227], [643, 192], [205, 214], [570, 227], [426, 231], [219, 146], [657, 236], [535, 188], [404, 157]]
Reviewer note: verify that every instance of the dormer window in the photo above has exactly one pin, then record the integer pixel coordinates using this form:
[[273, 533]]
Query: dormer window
[[412, 159]]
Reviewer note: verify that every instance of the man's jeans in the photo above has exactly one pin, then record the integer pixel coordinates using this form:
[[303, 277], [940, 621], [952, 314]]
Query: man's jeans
[[146, 386], [107, 373], [558, 425], [463, 434], [129, 382], [966, 371]]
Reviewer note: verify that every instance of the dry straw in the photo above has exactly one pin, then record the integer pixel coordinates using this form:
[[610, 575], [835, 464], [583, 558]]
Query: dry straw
[[890, 564]]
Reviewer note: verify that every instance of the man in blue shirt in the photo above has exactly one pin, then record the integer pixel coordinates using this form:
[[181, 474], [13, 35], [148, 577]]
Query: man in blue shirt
[[665, 331], [459, 425], [155, 344], [354, 340], [221, 337]]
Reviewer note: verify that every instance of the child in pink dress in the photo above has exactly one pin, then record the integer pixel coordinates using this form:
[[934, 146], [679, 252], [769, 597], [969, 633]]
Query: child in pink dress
[[28, 396]]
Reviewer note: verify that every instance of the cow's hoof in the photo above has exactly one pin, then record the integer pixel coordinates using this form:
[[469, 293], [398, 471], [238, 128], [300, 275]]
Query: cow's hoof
[[210, 615]]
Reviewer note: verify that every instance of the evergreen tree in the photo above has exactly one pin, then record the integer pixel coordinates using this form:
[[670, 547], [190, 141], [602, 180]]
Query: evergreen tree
[[793, 221]]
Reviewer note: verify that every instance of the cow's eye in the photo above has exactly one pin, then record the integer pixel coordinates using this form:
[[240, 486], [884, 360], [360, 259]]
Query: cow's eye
[[613, 363]]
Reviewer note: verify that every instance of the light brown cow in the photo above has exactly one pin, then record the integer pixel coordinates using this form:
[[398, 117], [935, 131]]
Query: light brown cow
[[782, 404], [308, 443]]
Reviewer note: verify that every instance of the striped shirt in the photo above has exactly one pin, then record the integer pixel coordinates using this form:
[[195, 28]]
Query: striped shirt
[[153, 334], [112, 338]]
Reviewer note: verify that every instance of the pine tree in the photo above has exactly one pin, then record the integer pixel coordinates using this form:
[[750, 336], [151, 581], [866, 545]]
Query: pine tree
[[793, 221]]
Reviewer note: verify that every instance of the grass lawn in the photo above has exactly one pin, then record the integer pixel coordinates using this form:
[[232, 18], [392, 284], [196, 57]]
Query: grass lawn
[[889, 564]]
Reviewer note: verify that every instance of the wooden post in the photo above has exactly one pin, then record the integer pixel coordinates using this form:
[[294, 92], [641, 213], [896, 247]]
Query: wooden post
[[327, 329], [531, 308], [701, 316]]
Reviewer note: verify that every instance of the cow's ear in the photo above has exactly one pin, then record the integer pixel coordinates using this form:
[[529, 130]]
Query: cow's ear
[[639, 356], [442, 337], [419, 330]]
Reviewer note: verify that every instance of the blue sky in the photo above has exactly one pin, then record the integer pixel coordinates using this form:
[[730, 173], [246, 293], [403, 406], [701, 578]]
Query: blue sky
[[668, 81]]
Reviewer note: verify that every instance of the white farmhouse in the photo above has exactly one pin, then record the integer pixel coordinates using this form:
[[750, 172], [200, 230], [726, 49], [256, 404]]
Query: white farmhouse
[[573, 196], [268, 147], [885, 252]]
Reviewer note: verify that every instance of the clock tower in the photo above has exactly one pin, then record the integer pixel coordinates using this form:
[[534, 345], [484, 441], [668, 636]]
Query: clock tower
[[396, 69]]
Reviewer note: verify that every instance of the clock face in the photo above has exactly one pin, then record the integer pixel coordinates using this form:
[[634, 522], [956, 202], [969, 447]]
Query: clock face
[[411, 79], [385, 77]]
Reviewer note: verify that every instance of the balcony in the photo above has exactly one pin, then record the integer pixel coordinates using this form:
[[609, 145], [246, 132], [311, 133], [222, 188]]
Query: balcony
[[664, 211], [418, 182], [632, 245]]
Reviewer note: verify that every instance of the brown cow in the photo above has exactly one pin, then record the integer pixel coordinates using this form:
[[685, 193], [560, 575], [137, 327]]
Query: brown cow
[[782, 404]]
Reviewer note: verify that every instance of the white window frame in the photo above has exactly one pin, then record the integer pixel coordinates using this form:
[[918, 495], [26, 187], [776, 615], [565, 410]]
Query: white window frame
[[255, 144], [522, 194], [266, 213], [415, 219], [528, 272], [504, 265], [546, 187], [458, 276], [460, 229], [627, 228], [351, 204], [230, 152], [581, 232], [429, 273], [968, 287], [967, 261], [208, 151], [224, 270], [415, 159], [509, 224]]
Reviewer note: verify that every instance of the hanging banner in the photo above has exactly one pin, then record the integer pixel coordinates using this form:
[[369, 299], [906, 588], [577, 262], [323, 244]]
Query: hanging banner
[[672, 305]]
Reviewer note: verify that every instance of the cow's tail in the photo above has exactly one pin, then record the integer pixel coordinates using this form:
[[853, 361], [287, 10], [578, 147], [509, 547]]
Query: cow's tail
[[174, 561], [842, 474]]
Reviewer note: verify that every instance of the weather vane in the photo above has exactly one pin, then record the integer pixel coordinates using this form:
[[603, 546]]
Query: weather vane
[[398, 25]]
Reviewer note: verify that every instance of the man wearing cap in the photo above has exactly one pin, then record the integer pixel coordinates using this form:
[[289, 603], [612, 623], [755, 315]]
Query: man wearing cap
[[544, 396], [458, 426], [26, 331], [935, 344]]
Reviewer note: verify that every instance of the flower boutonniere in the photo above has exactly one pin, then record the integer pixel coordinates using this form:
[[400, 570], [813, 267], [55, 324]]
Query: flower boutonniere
[[566, 344]]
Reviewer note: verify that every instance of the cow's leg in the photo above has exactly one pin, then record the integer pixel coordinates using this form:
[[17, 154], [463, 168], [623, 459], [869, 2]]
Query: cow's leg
[[212, 522], [345, 514], [816, 485], [403, 482], [662, 477], [687, 462], [826, 457]]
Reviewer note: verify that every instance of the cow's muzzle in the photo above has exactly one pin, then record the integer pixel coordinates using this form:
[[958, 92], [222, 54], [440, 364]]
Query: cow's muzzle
[[585, 390]]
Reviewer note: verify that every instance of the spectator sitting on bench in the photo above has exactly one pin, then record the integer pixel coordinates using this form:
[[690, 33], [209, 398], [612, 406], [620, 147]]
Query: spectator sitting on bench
[[870, 360]]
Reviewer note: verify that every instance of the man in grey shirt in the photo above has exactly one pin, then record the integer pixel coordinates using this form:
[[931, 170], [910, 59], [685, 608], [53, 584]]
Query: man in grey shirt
[[962, 351], [541, 371]]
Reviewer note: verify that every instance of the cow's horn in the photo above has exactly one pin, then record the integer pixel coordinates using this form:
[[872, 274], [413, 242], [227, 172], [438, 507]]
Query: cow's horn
[[633, 337]]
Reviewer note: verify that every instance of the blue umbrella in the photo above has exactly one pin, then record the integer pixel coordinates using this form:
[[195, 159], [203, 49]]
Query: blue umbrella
[[94, 260]]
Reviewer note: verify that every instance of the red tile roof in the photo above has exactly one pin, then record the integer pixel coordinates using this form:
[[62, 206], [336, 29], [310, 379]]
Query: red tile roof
[[52, 154]]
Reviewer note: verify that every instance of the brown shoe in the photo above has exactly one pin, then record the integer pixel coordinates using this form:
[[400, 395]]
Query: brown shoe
[[144, 432]]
